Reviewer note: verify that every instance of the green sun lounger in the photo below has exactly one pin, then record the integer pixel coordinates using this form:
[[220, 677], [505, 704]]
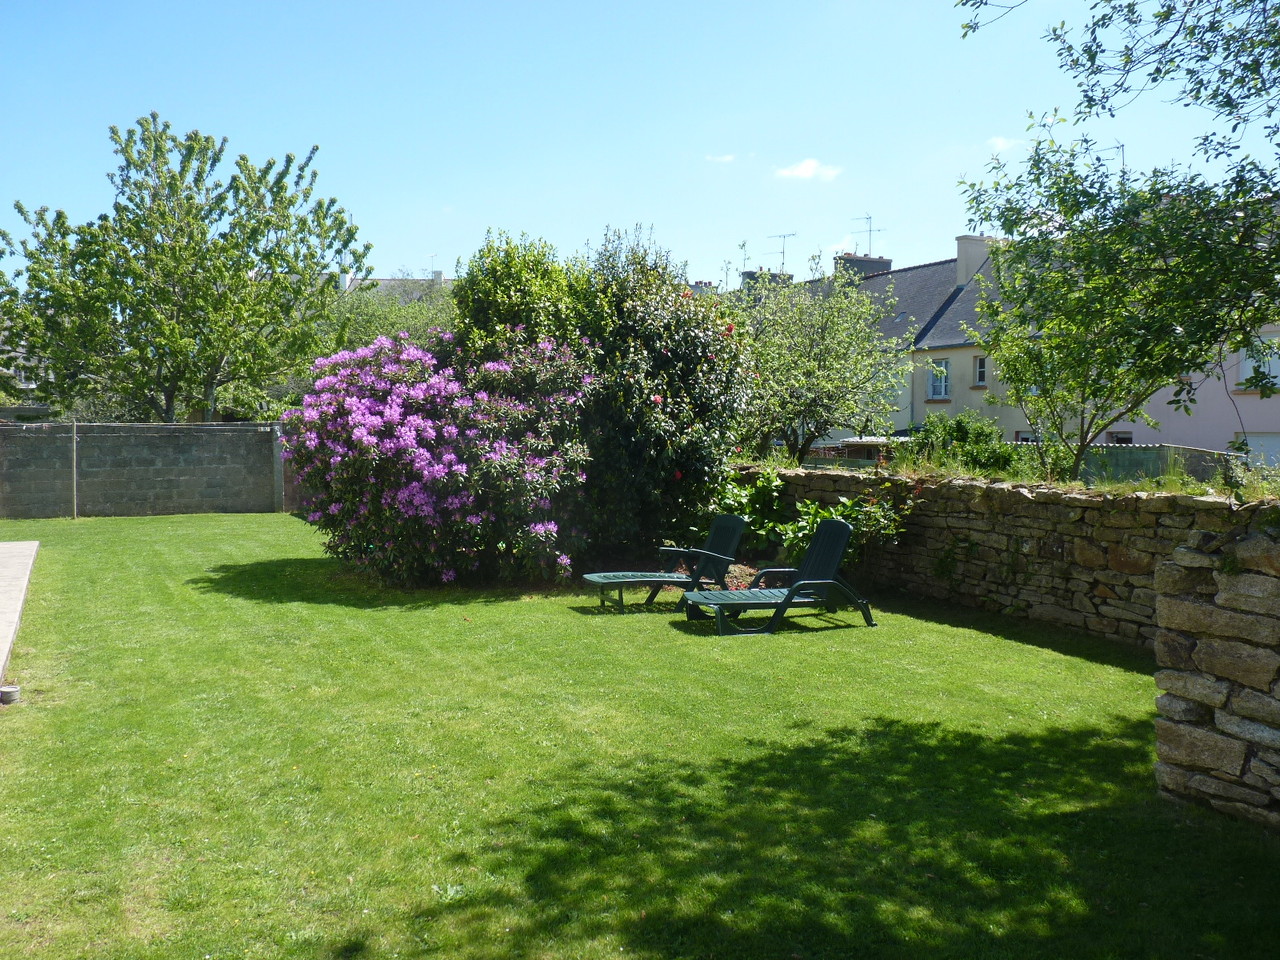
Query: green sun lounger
[[703, 566]]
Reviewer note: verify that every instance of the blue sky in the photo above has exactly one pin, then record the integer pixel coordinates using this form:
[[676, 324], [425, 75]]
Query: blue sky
[[709, 122]]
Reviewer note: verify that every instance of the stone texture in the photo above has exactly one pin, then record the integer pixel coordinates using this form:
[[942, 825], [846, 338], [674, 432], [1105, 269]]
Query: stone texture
[[1267, 817], [1175, 613], [1211, 786], [1194, 686], [1188, 746], [1174, 578], [1185, 711], [1173, 650], [1256, 706], [1248, 664], [1258, 553], [1254, 732]]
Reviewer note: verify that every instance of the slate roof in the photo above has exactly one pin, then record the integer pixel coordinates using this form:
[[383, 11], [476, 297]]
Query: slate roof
[[929, 303]]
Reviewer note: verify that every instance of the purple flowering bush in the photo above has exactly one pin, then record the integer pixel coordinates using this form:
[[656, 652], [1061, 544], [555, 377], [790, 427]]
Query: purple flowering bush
[[427, 465]]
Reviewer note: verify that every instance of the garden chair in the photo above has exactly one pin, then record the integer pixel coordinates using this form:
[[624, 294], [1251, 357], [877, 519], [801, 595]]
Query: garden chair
[[705, 566], [816, 583]]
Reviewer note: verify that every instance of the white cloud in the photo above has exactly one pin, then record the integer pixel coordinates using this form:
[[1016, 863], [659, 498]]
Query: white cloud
[[1002, 144], [722, 158], [809, 169]]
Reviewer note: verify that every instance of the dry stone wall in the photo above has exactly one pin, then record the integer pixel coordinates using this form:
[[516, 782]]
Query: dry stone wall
[[1196, 578], [1218, 657]]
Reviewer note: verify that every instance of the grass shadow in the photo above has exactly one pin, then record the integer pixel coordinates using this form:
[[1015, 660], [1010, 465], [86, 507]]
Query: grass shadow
[[324, 580], [895, 839], [1048, 636]]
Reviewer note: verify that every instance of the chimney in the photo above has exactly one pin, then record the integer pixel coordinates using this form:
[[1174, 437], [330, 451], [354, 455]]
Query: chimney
[[971, 254], [863, 266]]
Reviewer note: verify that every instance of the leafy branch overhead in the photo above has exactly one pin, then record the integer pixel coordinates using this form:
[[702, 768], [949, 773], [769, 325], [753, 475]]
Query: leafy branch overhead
[[1114, 285], [191, 293]]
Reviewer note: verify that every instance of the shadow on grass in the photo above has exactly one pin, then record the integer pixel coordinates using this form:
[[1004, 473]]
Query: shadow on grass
[[323, 580], [1048, 636], [897, 839]]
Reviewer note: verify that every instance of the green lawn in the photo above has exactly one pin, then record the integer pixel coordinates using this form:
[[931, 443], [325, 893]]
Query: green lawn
[[227, 747]]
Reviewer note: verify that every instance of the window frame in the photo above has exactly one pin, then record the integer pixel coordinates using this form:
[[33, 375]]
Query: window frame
[[939, 386]]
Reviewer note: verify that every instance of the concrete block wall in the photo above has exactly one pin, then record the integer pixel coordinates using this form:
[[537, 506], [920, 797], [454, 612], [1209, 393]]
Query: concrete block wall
[[60, 470]]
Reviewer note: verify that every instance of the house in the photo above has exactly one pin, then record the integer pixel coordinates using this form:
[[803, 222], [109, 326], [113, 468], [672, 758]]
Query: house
[[936, 301]]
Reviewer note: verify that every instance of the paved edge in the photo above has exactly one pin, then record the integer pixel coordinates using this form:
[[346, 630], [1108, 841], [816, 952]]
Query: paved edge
[[16, 559]]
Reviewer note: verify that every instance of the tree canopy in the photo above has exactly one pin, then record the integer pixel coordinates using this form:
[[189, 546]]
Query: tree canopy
[[1114, 285], [191, 293], [1223, 55], [819, 362]]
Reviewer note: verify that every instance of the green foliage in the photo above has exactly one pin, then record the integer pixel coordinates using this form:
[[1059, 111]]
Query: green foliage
[[819, 362], [666, 368], [875, 519], [1116, 284], [758, 496], [968, 441], [779, 526], [191, 294], [518, 284], [1222, 55], [401, 305]]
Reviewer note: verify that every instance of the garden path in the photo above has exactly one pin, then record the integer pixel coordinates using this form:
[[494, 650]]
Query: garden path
[[16, 560]]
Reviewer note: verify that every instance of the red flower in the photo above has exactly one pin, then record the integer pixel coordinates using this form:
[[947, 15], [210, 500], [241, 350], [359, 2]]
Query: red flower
[[657, 398], [679, 475], [686, 294]]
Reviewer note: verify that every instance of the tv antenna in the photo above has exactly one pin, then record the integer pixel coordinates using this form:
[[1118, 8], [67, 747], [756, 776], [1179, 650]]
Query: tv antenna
[[783, 251], [867, 221]]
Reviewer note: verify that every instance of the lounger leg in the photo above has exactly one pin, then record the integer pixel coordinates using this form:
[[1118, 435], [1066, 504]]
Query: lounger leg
[[866, 613], [694, 612], [653, 595]]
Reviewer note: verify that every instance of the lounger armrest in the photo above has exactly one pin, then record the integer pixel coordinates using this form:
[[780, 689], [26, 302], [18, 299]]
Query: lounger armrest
[[788, 572], [807, 584], [676, 555], [708, 553]]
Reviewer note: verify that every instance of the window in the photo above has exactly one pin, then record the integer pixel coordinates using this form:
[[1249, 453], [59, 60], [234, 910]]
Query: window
[[1119, 436], [1025, 436], [1270, 365], [940, 380], [979, 371]]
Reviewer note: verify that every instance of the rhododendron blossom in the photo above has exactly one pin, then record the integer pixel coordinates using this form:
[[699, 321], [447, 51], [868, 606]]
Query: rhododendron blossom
[[422, 466]]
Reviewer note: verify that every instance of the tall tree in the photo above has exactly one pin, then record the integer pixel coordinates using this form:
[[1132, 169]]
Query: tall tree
[[820, 361], [1114, 285], [191, 292]]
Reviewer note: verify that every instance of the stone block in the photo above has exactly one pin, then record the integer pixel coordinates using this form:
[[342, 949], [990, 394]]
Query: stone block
[[1056, 614], [1253, 592], [1258, 553], [1101, 625], [1191, 557], [1267, 817], [1173, 579], [1178, 708], [1173, 650], [1194, 686], [1250, 730], [1187, 746], [1089, 554], [1256, 706], [1250, 665], [1213, 787], [1267, 773], [1175, 613], [1171, 778]]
